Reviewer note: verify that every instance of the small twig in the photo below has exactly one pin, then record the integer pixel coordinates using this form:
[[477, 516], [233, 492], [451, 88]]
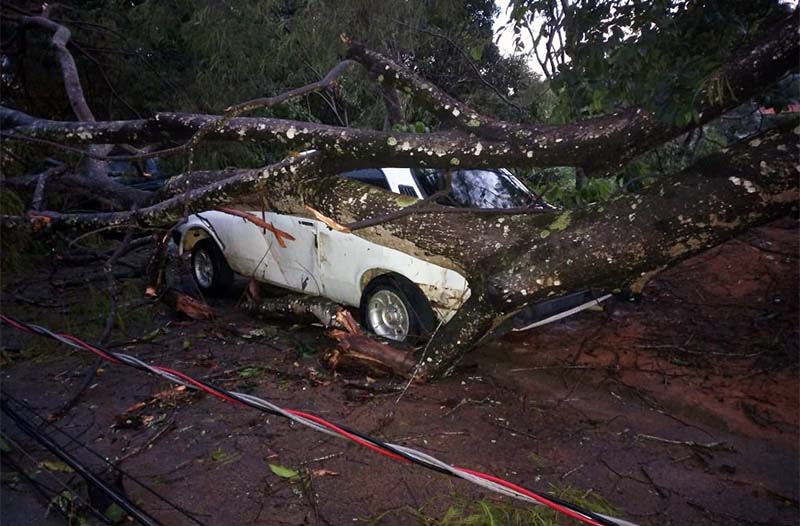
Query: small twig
[[322, 458], [149, 442], [659, 490], [570, 472], [469, 61], [700, 353], [550, 367], [717, 446]]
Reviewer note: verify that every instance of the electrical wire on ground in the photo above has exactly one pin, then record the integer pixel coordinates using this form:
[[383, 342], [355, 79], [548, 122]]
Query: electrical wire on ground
[[48, 493], [120, 500], [393, 451], [110, 465]]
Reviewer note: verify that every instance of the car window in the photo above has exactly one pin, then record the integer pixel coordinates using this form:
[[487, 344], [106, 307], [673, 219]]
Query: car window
[[371, 176], [477, 188]]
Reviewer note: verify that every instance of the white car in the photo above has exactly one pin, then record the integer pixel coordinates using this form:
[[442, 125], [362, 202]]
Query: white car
[[401, 297]]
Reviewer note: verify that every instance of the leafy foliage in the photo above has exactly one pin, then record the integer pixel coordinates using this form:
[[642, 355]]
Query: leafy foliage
[[193, 55], [613, 54]]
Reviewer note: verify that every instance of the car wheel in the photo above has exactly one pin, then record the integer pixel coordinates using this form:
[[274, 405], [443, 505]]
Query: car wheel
[[210, 269], [394, 308]]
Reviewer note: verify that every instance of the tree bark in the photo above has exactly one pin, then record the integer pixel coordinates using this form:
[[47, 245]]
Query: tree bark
[[628, 240], [509, 261]]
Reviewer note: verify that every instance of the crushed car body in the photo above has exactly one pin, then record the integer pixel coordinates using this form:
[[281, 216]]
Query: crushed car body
[[400, 297]]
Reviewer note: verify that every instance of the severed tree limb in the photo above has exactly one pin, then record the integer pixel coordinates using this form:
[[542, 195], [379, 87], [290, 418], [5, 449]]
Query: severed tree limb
[[294, 306], [183, 303], [171, 210], [355, 348]]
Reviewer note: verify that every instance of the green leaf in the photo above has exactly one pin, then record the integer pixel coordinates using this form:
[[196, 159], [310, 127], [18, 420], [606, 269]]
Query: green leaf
[[284, 472], [420, 127], [685, 118], [114, 513], [5, 447], [476, 52], [55, 465], [219, 455]]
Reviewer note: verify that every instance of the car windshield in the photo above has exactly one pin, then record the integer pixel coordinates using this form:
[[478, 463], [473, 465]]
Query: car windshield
[[477, 188]]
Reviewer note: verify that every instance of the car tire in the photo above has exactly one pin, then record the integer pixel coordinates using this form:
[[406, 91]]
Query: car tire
[[210, 270], [395, 308]]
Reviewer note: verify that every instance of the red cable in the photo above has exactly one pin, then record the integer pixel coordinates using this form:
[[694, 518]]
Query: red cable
[[91, 348], [17, 325], [344, 433], [326, 424], [197, 384], [534, 496]]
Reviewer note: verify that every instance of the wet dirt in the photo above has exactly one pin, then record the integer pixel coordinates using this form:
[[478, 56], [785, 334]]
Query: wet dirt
[[681, 408]]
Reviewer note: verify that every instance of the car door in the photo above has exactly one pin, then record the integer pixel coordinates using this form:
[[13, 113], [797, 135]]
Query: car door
[[295, 266]]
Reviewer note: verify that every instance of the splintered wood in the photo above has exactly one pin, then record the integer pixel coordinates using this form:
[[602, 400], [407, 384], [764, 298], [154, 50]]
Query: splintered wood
[[355, 350]]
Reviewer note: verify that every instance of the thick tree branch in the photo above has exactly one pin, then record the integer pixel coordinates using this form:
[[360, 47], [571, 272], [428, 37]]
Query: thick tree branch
[[633, 236], [72, 82], [596, 144], [609, 141], [171, 210], [69, 71]]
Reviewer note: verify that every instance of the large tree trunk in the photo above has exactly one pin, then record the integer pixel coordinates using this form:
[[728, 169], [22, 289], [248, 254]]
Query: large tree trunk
[[509, 260]]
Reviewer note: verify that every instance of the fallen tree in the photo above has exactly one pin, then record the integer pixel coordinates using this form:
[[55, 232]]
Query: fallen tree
[[509, 260]]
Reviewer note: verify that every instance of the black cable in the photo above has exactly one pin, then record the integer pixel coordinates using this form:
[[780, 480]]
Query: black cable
[[374, 441], [111, 465], [124, 503], [46, 492], [39, 485]]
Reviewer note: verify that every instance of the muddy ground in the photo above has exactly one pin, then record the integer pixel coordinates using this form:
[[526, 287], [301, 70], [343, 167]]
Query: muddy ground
[[679, 409]]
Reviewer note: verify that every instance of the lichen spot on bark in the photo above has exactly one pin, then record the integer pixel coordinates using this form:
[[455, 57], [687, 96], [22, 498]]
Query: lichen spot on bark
[[473, 123], [405, 200], [677, 249], [290, 133], [454, 161], [562, 221], [391, 141], [456, 113]]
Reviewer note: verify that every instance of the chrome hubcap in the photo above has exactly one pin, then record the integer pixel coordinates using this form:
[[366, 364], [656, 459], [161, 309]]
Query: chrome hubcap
[[388, 316], [203, 269]]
